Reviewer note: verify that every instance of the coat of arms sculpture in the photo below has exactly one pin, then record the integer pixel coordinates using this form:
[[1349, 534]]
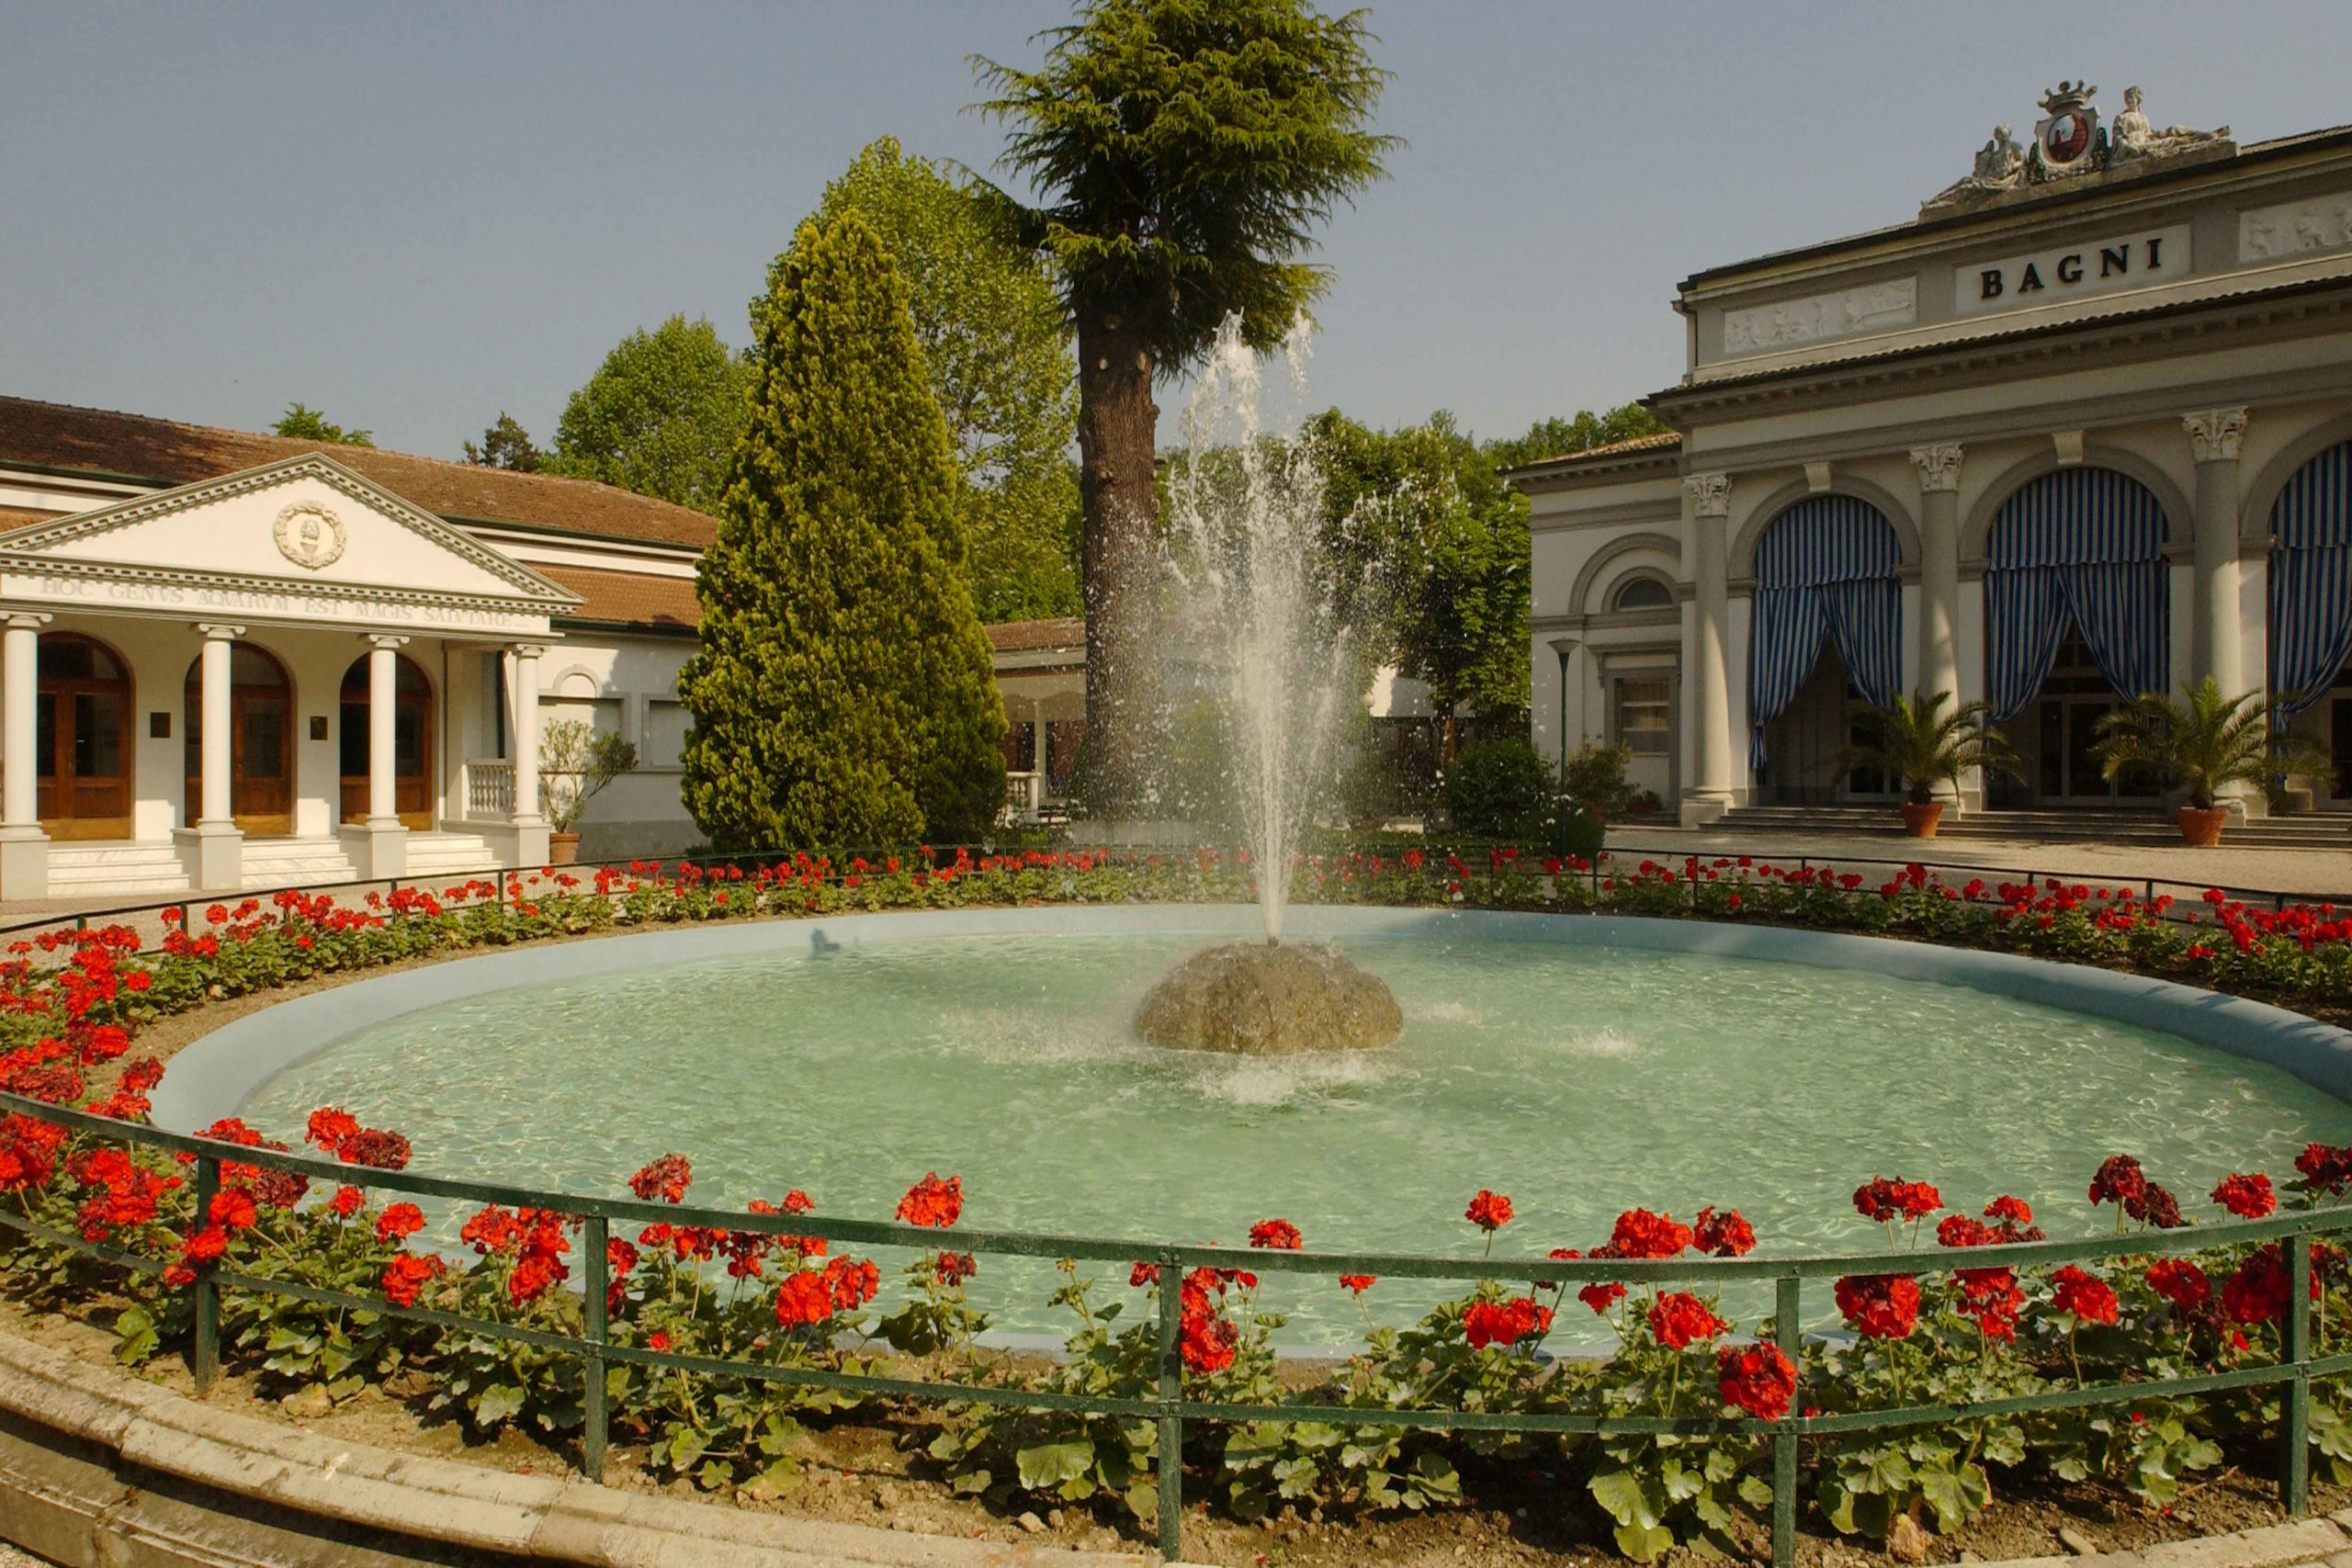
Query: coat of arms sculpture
[[2069, 141]]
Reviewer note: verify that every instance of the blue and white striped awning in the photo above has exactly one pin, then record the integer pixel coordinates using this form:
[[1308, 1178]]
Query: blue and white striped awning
[[2311, 579], [2084, 544], [1826, 567]]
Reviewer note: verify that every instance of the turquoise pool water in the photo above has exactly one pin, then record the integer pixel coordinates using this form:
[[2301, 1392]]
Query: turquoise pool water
[[1578, 1080]]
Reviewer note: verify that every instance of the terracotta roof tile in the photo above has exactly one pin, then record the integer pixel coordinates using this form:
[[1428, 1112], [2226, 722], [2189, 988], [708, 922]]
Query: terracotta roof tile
[[1662, 440], [58, 435], [1025, 636], [627, 597]]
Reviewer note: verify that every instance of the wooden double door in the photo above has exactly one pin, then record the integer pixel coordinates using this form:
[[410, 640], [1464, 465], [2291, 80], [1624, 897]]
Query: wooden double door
[[412, 744], [261, 743], [82, 740]]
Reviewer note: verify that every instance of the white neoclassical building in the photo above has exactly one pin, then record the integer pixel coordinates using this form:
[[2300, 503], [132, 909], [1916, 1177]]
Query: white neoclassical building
[[2080, 430], [237, 660]]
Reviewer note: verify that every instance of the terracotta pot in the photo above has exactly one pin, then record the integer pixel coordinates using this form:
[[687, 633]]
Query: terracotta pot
[[563, 848], [1920, 821], [2203, 829]]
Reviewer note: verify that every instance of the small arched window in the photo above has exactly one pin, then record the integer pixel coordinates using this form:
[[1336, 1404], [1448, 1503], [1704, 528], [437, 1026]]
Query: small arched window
[[1642, 593]]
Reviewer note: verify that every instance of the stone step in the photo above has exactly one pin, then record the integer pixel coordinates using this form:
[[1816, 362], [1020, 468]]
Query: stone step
[[115, 868]]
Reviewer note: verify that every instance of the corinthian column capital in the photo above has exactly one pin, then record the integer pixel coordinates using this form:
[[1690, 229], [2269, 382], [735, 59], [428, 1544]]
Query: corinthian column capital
[[2215, 435], [1939, 466], [1710, 494]]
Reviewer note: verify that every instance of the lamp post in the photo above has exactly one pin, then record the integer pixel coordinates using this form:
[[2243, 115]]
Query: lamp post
[[1562, 646]]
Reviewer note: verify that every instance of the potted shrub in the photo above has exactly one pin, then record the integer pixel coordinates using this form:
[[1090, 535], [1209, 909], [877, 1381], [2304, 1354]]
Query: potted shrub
[[2201, 746], [1914, 739], [576, 764]]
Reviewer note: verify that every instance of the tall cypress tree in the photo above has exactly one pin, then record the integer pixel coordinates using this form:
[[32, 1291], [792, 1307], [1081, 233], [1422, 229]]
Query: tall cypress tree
[[842, 695]]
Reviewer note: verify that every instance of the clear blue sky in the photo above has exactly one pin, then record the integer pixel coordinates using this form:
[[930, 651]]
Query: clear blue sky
[[414, 215]]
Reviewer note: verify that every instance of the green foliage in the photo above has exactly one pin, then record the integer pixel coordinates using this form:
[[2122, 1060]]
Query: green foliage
[[843, 694], [659, 416], [310, 425], [1498, 789], [1186, 151], [1916, 739], [506, 445], [1445, 543], [2204, 744], [1557, 437], [997, 346], [576, 765], [1593, 776]]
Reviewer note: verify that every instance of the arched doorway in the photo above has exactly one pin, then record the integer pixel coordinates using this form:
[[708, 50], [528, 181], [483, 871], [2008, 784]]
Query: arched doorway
[[2078, 620], [2310, 605], [261, 741], [411, 743], [81, 739], [1827, 631]]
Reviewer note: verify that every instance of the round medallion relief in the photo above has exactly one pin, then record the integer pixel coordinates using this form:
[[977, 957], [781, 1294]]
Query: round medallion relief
[[308, 535]]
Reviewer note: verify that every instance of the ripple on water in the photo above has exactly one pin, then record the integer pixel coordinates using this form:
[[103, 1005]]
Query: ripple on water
[[1579, 1081]]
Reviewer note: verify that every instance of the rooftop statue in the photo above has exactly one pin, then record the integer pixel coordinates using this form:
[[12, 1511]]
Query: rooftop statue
[[2132, 136]]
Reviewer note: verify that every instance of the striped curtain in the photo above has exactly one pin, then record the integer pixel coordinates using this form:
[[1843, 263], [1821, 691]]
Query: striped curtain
[[2085, 546], [2311, 580], [1826, 566]]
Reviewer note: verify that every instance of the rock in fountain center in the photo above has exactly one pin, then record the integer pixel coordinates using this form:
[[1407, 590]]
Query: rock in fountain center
[[1264, 999]]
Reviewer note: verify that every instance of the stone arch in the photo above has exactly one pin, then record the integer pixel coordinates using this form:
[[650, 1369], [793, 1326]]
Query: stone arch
[[2261, 494], [2180, 514], [1582, 596], [1742, 557]]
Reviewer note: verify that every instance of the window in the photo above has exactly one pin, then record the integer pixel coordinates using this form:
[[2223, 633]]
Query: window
[[665, 732], [1643, 594], [1642, 714]]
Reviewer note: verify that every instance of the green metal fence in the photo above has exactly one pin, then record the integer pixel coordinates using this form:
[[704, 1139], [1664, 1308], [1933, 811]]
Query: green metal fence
[[1170, 1406]]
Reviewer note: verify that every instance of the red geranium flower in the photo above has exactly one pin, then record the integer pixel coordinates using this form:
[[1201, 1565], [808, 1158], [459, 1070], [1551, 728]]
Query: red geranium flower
[[1640, 1234], [2088, 1297], [1488, 1211], [1279, 1235], [347, 1201], [1208, 1344], [1680, 1319], [2181, 1282], [398, 1222], [205, 1245], [232, 1208], [1756, 1378], [1359, 1284], [932, 1203], [2248, 1197], [1601, 1296], [1504, 1323], [1879, 1306], [406, 1274], [329, 1126], [1888, 1199]]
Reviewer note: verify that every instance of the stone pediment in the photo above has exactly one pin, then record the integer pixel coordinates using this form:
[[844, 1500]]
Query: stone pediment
[[302, 540]]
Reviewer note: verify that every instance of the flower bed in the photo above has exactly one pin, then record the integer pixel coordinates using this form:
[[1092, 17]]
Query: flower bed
[[715, 1342]]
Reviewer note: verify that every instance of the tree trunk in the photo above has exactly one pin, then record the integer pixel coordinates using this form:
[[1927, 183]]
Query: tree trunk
[[1117, 432]]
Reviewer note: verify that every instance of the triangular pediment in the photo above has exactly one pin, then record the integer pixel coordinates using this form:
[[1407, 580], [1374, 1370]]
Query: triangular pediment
[[307, 527]]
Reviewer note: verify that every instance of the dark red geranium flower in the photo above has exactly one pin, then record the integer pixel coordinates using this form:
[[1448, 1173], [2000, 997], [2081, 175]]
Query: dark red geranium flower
[[1887, 1199], [1680, 1319], [954, 1268], [2157, 1208], [2248, 1196], [375, 1148], [932, 1203], [1756, 1378], [2325, 1167], [2118, 1180], [2088, 1297], [2259, 1291], [1142, 1274], [667, 1178], [1726, 1235], [1879, 1306]]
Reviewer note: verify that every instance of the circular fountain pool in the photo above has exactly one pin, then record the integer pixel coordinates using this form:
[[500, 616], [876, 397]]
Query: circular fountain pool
[[1575, 1064]]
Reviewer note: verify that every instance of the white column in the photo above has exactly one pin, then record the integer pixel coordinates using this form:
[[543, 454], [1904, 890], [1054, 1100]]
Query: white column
[[1706, 675], [383, 677], [526, 733], [1939, 568], [19, 697], [2214, 436], [213, 797]]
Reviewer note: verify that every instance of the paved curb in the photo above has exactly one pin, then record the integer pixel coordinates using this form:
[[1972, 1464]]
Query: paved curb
[[2297, 1541], [98, 1470]]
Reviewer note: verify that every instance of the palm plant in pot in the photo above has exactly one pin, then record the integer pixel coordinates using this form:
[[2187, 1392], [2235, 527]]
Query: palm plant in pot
[[1917, 740], [576, 764], [2200, 743]]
